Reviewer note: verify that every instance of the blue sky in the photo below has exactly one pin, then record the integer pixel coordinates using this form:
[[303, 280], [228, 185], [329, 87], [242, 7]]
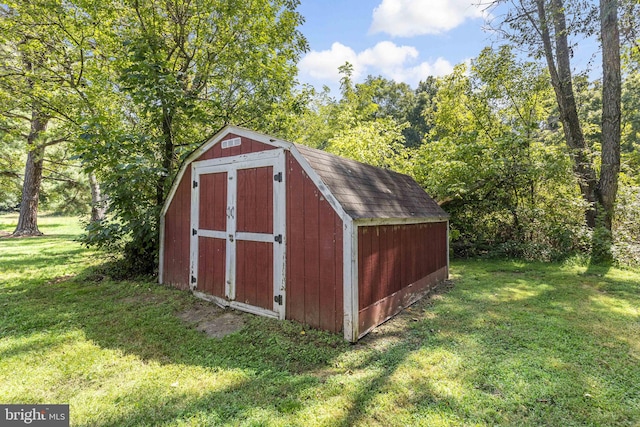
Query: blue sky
[[403, 40]]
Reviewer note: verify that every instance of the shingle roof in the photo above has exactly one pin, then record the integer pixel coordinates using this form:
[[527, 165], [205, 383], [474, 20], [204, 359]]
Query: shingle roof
[[367, 192]]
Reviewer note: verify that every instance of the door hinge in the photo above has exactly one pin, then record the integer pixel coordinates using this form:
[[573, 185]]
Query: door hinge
[[278, 238], [194, 232], [193, 279], [278, 177], [278, 299], [195, 184]]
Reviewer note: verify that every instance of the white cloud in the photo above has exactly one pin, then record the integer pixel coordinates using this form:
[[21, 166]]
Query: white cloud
[[387, 54], [324, 65], [413, 75], [385, 58], [406, 18]]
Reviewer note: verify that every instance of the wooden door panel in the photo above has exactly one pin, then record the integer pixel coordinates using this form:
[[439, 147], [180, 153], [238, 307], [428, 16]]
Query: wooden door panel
[[234, 245], [255, 200], [212, 265], [213, 201], [254, 274]]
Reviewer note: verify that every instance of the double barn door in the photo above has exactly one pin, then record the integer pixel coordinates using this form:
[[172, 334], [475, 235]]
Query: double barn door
[[238, 226]]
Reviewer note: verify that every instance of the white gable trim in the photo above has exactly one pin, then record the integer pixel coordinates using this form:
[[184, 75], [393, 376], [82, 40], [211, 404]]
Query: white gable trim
[[349, 285], [218, 137]]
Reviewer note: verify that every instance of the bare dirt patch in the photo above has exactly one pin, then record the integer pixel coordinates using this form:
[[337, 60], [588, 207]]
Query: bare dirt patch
[[214, 321]]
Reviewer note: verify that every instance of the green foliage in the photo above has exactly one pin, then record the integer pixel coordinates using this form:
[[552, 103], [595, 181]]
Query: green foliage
[[626, 249], [48, 52], [364, 125], [174, 74], [131, 228], [378, 142], [501, 174], [11, 163], [491, 151]]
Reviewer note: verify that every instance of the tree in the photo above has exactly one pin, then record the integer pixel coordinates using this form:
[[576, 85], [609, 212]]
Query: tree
[[182, 70], [43, 54], [492, 164], [543, 25], [360, 125]]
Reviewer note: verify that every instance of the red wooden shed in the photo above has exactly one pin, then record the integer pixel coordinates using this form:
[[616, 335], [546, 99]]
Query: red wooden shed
[[287, 231]]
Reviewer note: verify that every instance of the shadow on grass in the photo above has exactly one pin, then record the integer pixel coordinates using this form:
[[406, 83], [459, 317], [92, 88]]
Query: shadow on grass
[[280, 361], [598, 268], [548, 345], [520, 347], [117, 315]]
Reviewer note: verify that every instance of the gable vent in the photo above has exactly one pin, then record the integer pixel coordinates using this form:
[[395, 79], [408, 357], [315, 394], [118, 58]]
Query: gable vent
[[233, 142]]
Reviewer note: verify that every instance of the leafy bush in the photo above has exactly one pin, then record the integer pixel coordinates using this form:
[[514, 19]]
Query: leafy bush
[[626, 247]]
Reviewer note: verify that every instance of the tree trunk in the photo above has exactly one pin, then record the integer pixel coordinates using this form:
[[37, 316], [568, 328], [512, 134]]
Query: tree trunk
[[561, 81], [28, 220], [611, 87], [167, 155], [610, 159], [98, 206]]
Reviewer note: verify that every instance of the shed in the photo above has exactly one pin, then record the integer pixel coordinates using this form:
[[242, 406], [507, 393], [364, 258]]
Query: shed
[[283, 230]]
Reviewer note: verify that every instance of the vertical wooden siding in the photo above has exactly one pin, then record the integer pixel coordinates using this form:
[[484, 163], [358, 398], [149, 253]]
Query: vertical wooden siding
[[254, 273], [391, 257], [255, 200], [212, 216], [213, 202], [314, 254], [177, 223], [211, 266]]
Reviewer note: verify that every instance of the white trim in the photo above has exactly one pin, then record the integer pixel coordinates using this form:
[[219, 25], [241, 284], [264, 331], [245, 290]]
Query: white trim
[[236, 305], [161, 252], [253, 309], [214, 234], [399, 221], [231, 165], [242, 132], [193, 240], [255, 237], [241, 161], [280, 227], [232, 197], [211, 298], [350, 280]]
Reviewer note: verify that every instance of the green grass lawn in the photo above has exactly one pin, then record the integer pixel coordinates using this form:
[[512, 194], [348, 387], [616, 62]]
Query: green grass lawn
[[510, 343]]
